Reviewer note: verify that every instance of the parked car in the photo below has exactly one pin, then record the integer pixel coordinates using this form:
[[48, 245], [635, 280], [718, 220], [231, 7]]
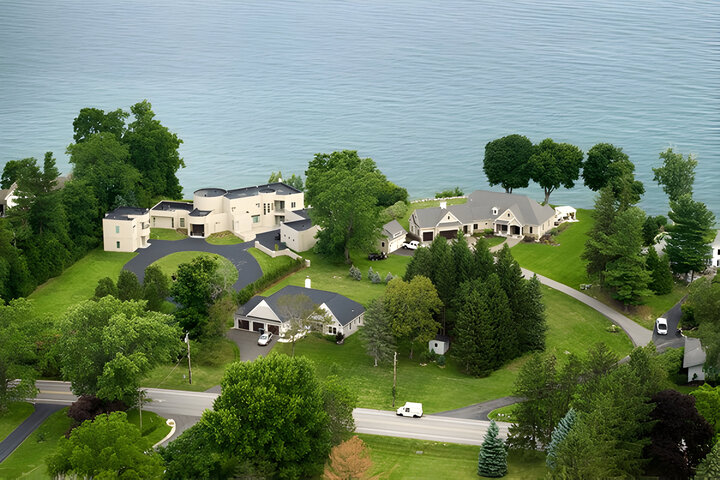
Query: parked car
[[410, 409], [661, 326], [377, 256], [413, 245], [265, 338]]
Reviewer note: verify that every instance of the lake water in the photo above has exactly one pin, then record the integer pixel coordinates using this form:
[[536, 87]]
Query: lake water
[[420, 86]]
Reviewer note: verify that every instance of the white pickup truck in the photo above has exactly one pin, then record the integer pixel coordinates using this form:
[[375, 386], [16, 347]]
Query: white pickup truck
[[411, 245], [410, 409]]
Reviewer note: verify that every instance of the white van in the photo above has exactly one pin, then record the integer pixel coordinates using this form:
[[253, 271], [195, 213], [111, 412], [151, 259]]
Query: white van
[[410, 409]]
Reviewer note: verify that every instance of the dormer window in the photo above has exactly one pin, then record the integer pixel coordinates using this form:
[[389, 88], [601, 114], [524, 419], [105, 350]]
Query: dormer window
[[495, 211]]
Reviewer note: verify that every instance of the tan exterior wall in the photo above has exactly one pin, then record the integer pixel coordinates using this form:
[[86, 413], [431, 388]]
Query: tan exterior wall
[[126, 235], [299, 241]]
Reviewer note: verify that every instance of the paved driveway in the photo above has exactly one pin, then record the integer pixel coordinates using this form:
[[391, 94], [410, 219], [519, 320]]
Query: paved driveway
[[247, 266], [247, 343], [673, 339]]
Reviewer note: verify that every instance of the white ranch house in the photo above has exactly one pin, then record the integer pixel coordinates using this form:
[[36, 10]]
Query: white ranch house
[[506, 214], [263, 312]]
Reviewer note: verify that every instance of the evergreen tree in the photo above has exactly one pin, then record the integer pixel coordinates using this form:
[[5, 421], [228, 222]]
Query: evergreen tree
[[492, 461], [512, 282], [604, 214], [661, 280], [106, 286], [377, 332], [462, 260], [156, 287], [443, 269], [533, 325], [484, 262], [558, 435], [688, 246], [83, 216], [128, 286], [421, 263]]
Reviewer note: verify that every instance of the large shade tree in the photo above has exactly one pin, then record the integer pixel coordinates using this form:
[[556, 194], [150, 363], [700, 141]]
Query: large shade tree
[[506, 162], [676, 176], [608, 165], [554, 165]]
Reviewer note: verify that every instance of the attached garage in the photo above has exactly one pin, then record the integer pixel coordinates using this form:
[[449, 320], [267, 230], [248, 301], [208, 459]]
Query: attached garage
[[449, 234], [257, 326], [274, 329], [244, 324], [427, 236]]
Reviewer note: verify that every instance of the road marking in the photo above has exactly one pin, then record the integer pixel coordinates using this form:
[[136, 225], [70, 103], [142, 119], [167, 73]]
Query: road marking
[[55, 392]]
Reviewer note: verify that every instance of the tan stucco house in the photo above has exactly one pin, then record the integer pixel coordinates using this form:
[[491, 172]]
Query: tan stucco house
[[298, 231], [263, 312], [126, 229], [507, 214]]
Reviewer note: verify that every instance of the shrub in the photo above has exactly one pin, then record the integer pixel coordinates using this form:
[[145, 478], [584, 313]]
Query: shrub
[[488, 232], [389, 277], [440, 360], [374, 276], [456, 192], [687, 321], [355, 273], [553, 231], [397, 210], [268, 278], [339, 337], [427, 356]]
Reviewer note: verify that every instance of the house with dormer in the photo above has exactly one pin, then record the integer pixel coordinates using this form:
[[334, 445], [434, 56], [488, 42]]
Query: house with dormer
[[507, 214]]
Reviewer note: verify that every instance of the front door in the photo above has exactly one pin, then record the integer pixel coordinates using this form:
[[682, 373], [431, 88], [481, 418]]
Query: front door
[[198, 231]]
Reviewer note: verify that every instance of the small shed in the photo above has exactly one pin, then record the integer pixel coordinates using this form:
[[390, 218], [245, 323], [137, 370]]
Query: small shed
[[565, 214], [440, 344], [694, 359]]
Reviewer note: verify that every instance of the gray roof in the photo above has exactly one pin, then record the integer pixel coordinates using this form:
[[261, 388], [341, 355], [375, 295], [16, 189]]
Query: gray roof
[[717, 239], [344, 309], [200, 213], [7, 191], [121, 213], [278, 188], [168, 206], [393, 229], [300, 225], [694, 353], [429, 217]]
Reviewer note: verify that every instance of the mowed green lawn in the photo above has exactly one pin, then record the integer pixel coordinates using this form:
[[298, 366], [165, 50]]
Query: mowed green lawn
[[333, 275], [16, 413], [427, 204], [405, 458], [562, 262], [573, 327], [267, 262], [169, 264], [166, 234], [224, 238], [78, 282], [28, 461]]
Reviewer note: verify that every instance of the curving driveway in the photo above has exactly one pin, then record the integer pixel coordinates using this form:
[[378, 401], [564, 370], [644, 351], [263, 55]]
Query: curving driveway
[[247, 266]]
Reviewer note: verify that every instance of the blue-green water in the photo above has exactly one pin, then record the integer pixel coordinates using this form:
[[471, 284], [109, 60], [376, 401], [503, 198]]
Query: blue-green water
[[420, 86]]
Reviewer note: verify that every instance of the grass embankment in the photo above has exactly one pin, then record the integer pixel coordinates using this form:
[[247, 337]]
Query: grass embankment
[[209, 359], [332, 275], [166, 234], [492, 241], [28, 461], [78, 282], [224, 238], [573, 327], [16, 413], [169, 264], [562, 263], [401, 458], [268, 263], [427, 204]]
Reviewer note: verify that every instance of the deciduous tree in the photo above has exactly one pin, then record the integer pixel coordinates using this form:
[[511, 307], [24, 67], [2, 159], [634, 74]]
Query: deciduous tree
[[94, 120], [105, 286], [196, 287], [19, 329], [349, 461], [156, 287], [553, 165], [339, 402], [707, 403], [128, 286], [195, 455], [709, 468], [608, 165], [676, 176], [506, 162], [302, 315]]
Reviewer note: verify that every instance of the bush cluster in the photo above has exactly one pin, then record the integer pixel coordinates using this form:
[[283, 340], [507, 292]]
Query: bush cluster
[[268, 278]]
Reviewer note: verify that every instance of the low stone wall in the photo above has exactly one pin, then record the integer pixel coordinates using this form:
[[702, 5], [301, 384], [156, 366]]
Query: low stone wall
[[276, 253]]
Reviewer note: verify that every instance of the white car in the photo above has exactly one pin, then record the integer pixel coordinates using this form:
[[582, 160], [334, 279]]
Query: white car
[[661, 326], [265, 338], [411, 245]]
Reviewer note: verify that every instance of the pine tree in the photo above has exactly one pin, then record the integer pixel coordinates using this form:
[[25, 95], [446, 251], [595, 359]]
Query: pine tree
[[128, 286], [492, 461], [443, 269], [661, 281], [421, 263], [512, 282], [377, 332], [606, 209], [471, 345], [462, 260], [533, 326], [558, 435], [687, 247], [484, 262]]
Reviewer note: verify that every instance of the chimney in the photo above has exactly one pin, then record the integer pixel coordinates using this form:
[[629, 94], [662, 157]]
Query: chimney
[[307, 282], [443, 204]]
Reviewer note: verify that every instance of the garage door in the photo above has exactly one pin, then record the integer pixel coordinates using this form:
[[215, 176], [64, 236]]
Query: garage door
[[245, 324], [427, 236], [449, 234], [274, 329], [257, 326]]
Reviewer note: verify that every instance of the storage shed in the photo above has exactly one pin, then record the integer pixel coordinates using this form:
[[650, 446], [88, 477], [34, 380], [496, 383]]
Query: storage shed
[[440, 344]]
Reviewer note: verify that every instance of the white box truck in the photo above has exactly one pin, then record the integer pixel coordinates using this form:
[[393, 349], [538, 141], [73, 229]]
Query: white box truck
[[410, 409]]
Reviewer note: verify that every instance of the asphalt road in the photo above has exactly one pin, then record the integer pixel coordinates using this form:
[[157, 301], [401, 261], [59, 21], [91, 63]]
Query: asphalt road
[[190, 405]]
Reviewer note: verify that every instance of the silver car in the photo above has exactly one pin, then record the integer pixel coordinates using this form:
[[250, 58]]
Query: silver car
[[661, 326], [265, 338]]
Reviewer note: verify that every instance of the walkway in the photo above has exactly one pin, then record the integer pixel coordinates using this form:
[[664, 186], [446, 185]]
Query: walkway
[[639, 335], [247, 266], [17, 436]]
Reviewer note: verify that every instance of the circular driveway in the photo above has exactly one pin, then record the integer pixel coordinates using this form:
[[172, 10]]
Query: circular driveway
[[247, 267]]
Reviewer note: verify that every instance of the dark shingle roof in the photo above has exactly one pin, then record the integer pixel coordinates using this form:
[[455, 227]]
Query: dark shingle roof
[[121, 213], [344, 309], [300, 225], [168, 205], [393, 229], [199, 213]]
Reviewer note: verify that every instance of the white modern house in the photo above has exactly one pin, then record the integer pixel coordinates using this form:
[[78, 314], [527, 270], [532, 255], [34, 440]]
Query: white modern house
[[264, 312], [126, 229], [715, 245], [694, 359], [298, 231], [392, 237], [507, 214]]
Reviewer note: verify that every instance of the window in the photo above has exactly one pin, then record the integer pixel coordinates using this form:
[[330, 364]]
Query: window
[[382, 243], [117, 228], [256, 218], [292, 204], [495, 211], [508, 215], [182, 223], [117, 244], [530, 229], [154, 218], [475, 226], [172, 223], [332, 330]]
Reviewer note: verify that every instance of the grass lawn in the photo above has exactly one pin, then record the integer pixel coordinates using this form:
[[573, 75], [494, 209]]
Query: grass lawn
[[169, 264], [153, 427], [655, 305], [492, 241], [267, 262], [398, 458], [78, 282], [209, 360], [562, 262], [573, 327], [28, 461], [166, 234], [224, 238], [503, 414], [16, 413], [332, 275], [427, 204]]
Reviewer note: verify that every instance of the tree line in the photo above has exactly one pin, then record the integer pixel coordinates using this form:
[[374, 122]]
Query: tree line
[[115, 163]]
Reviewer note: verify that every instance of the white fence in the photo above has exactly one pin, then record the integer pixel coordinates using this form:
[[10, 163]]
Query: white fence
[[276, 253]]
